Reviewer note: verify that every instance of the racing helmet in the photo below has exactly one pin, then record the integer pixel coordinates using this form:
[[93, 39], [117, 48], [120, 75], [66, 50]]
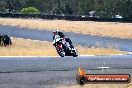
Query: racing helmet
[[55, 31]]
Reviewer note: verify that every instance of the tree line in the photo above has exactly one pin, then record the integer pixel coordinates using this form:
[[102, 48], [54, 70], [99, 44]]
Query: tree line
[[102, 8]]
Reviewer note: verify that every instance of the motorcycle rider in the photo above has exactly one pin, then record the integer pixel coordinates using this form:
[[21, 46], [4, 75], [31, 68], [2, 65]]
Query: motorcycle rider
[[57, 32]]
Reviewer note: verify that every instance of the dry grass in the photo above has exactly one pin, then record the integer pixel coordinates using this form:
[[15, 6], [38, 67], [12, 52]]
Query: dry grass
[[97, 51], [112, 29], [26, 47]]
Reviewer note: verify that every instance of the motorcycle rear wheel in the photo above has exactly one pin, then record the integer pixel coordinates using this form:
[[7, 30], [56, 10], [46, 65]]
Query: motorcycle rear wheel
[[74, 55]]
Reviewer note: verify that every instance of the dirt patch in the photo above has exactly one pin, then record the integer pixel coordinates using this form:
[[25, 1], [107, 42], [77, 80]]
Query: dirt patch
[[113, 29], [27, 47]]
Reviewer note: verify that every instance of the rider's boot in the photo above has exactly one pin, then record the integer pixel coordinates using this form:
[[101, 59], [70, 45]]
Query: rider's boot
[[72, 48]]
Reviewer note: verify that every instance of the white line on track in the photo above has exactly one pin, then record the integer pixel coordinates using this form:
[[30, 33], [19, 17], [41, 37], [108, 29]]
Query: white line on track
[[29, 56], [59, 56], [104, 67], [129, 52], [86, 55]]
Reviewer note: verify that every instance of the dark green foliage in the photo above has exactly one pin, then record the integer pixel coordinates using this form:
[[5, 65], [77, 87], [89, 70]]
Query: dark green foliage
[[103, 8], [29, 10]]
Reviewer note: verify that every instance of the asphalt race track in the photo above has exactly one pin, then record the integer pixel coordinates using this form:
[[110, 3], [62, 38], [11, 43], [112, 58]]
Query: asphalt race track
[[20, 64], [50, 72], [82, 39]]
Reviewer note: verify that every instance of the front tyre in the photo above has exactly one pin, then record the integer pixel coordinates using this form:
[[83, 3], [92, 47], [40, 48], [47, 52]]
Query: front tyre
[[60, 51]]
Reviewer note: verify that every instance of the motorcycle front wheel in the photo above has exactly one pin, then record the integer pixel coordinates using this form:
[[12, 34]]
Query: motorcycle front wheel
[[60, 51]]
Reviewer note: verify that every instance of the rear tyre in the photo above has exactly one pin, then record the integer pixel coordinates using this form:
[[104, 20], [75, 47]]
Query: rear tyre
[[74, 53]]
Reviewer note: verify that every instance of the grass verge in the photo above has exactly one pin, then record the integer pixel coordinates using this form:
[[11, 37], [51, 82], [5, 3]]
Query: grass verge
[[27, 47]]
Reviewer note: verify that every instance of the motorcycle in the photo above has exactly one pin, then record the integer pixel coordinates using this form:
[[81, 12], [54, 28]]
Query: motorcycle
[[63, 48]]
